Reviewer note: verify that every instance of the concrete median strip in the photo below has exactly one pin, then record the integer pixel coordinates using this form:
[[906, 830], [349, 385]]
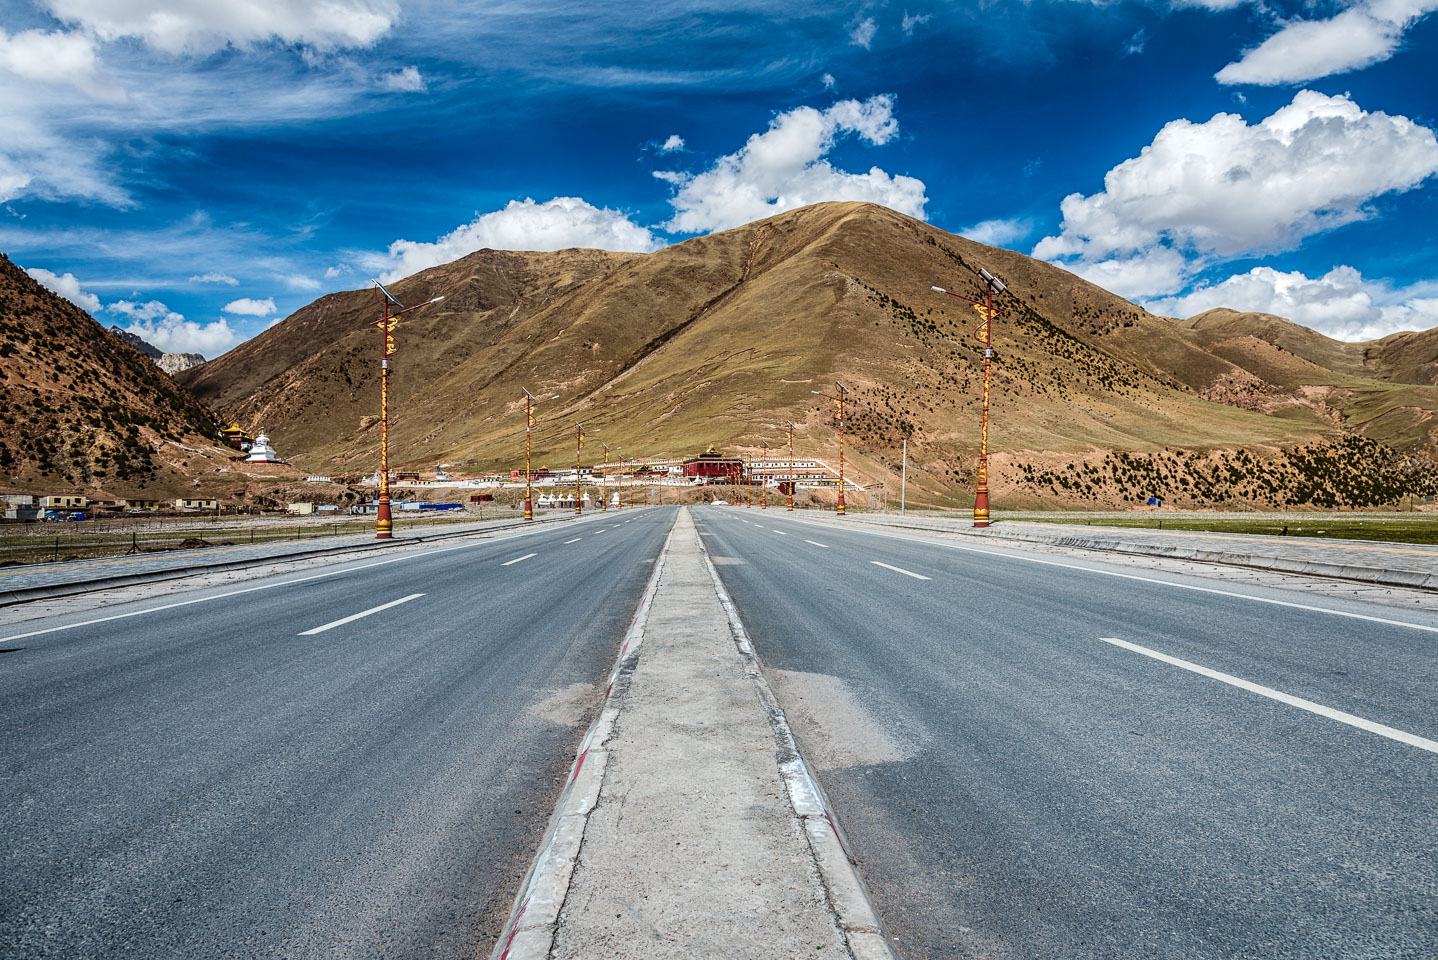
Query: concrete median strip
[[690, 824]]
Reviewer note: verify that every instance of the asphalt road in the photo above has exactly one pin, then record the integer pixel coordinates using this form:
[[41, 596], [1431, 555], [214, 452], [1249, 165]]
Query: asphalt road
[[1017, 785], [257, 775]]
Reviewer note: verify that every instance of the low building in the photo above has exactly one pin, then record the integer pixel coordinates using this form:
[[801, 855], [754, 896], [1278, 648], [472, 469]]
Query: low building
[[141, 506], [19, 499], [236, 437], [711, 466], [64, 503], [197, 503], [301, 509]]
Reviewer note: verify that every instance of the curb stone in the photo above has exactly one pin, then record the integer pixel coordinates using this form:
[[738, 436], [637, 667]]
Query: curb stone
[[848, 897], [534, 918]]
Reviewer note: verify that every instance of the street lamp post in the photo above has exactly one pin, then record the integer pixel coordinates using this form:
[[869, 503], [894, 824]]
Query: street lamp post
[[384, 521], [578, 446], [793, 482], [764, 487], [529, 401], [838, 399], [604, 480], [990, 286]]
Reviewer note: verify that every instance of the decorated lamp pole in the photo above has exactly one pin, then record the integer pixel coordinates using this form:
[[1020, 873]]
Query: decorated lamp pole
[[578, 446], [838, 399], [529, 401], [764, 486], [793, 483], [604, 480], [990, 287], [384, 521]]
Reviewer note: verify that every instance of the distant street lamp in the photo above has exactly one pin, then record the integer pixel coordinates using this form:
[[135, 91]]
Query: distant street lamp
[[604, 480], [384, 522], [838, 399], [619, 505], [763, 486], [793, 482], [990, 286], [529, 401]]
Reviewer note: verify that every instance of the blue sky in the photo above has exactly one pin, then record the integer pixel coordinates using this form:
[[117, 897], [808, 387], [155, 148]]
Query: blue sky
[[198, 170]]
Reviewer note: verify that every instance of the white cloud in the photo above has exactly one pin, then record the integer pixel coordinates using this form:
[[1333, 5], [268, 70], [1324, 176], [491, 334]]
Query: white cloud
[[784, 167], [57, 59], [674, 143], [997, 233], [1136, 43], [911, 21], [1222, 189], [185, 26], [861, 33], [522, 225], [1362, 35], [338, 270], [298, 281], [66, 285], [245, 306], [1340, 303], [172, 333], [829, 82], [408, 80], [224, 278]]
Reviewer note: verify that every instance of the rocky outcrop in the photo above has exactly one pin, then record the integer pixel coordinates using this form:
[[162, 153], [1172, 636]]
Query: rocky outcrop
[[173, 363]]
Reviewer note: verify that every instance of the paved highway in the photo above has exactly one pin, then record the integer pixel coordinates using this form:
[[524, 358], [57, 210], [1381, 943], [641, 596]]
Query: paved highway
[[1038, 757], [348, 762]]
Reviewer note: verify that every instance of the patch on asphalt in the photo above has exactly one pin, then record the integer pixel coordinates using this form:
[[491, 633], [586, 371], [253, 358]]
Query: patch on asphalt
[[725, 561], [836, 728], [567, 706]]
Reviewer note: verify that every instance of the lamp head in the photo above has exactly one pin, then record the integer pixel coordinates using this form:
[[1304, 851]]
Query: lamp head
[[939, 289]]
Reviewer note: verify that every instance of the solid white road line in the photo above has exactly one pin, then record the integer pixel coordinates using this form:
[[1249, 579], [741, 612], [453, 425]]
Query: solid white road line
[[363, 613], [907, 573], [264, 586], [818, 544], [1130, 576], [1413, 740], [517, 559], [575, 540], [781, 533]]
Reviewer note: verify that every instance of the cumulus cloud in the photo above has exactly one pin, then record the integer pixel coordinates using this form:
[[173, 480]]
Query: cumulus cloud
[[299, 281], [997, 233], [66, 285], [224, 278], [184, 26], [1340, 303], [408, 80], [171, 332], [522, 225], [57, 59], [829, 82], [673, 144], [245, 306], [861, 32], [911, 21], [1362, 35], [785, 167], [1221, 189]]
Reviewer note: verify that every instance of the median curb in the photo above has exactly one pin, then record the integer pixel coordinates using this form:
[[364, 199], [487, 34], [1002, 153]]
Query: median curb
[[75, 588], [534, 919], [848, 897], [1380, 576]]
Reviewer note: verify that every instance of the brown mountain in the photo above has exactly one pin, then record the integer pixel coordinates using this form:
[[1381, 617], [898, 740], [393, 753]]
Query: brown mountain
[[720, 339], [81, 409]]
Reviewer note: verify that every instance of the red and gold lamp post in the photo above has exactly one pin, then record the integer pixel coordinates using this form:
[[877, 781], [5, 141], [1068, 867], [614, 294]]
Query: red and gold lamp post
[[529, 401], [384, 521], [989, 287], [604, 480], [763, 484], [793, 483], [839, 399], [578, 446]]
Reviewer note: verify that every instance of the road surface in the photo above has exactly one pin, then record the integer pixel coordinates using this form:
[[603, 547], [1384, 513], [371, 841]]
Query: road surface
[[354, 761], [1022, 774]]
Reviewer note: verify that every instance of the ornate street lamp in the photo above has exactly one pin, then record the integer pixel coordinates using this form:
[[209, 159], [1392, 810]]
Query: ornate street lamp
[[384, 522]]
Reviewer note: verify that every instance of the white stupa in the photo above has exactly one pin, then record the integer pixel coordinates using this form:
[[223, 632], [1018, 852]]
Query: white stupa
[[262, 452]]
